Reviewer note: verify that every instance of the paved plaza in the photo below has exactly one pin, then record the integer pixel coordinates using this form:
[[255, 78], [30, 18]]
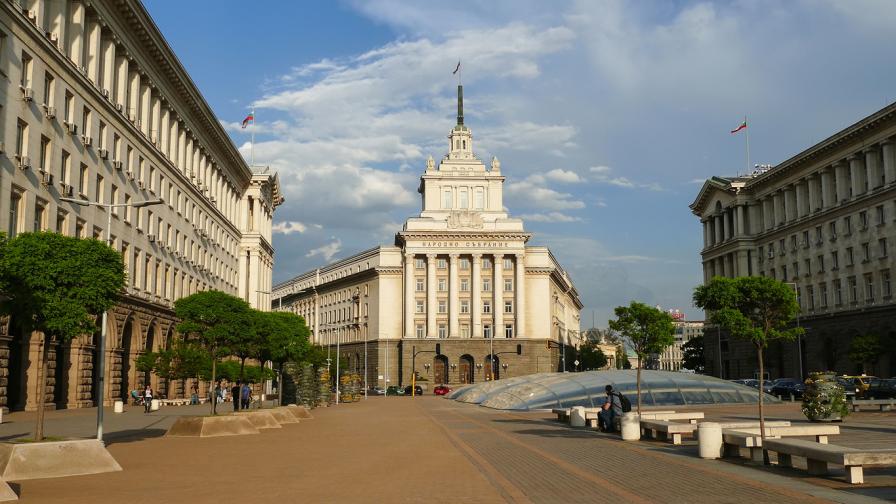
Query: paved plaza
[[429, 449]]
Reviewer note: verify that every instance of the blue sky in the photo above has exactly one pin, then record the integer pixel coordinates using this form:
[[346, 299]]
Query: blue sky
[[606, 115]]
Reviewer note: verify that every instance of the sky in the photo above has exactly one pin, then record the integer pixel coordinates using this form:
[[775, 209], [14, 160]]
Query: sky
[[607, 115]]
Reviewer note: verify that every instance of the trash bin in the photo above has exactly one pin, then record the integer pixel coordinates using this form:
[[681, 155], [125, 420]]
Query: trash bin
[[154, 405], [577, 416], [630, 425], [119, 406], [709, 437]]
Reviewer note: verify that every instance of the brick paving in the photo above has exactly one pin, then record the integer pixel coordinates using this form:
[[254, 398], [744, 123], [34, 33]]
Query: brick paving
[[433, 450]]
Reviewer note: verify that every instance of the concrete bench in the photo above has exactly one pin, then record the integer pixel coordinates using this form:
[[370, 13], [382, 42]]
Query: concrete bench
[[591, 416], [748, 438], [174, 402], [818, 456], [673, 431], [690, 416], [562, 414], [884, 404]]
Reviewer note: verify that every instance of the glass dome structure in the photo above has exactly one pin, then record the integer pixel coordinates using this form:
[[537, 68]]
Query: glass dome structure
[[564, 390]]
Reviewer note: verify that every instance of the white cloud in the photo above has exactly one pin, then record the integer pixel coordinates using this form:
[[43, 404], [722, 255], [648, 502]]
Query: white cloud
[[601, 175], [289, 227], [560, 175], [550, 217], [532, 193], [328, 251]]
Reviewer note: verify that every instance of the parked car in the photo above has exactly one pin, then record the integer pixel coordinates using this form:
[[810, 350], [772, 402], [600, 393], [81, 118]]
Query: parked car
[[748, 382], [376, 391], [394, 390], [418, 390], [879, 388], [785, 387], [441, 390], [861, 383], [849, 388]]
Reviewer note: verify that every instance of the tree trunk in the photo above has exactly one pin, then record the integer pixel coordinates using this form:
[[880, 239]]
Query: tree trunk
[[280, 387], [639, 385], [765, 459], [214, 398], [242, 368], [41, 392]]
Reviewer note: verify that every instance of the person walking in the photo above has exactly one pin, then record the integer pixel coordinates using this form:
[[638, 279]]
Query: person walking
[[194, 394], [246, 396], [147, 399], [235, 395]]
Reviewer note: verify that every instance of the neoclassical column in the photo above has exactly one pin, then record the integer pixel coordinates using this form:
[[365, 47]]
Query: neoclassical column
[[476, 301], [739, 210], [778, 205], [498, 290], [520, 290], [431, 296], [827, 189], [872, 165], [409, 295], [856, 171], [453, 301], [889, 155], [706, 233], [842, 180], [800, 191], [718, 238], [790, 203]]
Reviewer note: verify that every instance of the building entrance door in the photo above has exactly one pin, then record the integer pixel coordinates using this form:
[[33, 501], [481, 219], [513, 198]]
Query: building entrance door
[[466, 369], [440, 369]]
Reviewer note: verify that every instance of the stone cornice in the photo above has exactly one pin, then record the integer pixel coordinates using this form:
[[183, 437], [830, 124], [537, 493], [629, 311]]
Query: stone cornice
[[403, 236]]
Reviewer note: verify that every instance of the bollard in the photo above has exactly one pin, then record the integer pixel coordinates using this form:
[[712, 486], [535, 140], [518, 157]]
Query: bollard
[[630, 426], [118, 407], [577, 416], [709, 436], [154, 405]]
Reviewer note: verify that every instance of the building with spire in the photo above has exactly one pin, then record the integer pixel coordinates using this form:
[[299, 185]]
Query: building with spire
[[458, 298]]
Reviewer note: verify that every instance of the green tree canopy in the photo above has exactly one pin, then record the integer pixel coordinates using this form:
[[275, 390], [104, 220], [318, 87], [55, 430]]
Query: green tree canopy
[[216, 321], [591, 356], [282, 337], [866, 349], [756, 309], [692, 352], [647, 330], [57, 285]]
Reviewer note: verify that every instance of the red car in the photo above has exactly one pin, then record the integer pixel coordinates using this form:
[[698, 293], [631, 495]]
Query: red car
[[441, 390]]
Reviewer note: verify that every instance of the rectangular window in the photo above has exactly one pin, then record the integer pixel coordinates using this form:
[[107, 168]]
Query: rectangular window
[[85, 121], [486, 285], [443, 331], [419, 263], [65, 168], [863, 219], [811, 291], [40, 215], [420, 331], [808, 267], [823, 291], [114, 199], [21, 139], [508, 264], [443, 285], [83, 180], [465, 306], [508, 285], [442, 264], [15, 204], [881, 215], [69, 108], [833, 230], [835, 260], [838, 292], [79, 228], [464, 285], [443, 306], [419, 285], [781, 248], [486, 264], [882, 248], [62, 222], [820, 263], [48, 89], [464, 198], [508, 306], [853, 290], [44, 154], [508, 331], [866, 252], [100, 191], [847, 225], [127, 209], [487, 331], [464, 264], [885, 284], [486, 307], [784, 272], [464, 331], [479, 199], [805, 239], [818, 235], [101, 136], [849, 256], [869, 288], [447, 199], [25, 81]]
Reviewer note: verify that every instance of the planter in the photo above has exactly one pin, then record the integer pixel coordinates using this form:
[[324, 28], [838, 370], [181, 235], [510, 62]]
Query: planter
[[824, 399], [211, 426], [54, 459], [260, 419]]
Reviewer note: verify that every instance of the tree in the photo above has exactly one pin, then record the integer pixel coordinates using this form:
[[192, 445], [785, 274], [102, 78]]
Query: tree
[[216, 321], [591, 356], [756, 309], [283, 338], [693, 355], [866, 349], [648, 330], [621, 358], [58, 286]]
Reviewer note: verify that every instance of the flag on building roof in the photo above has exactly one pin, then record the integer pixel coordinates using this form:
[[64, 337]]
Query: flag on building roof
[[249, 118], [742, 125], [456, 68]]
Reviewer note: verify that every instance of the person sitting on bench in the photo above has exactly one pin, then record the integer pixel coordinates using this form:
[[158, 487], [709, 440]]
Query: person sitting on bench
[[609, 411]]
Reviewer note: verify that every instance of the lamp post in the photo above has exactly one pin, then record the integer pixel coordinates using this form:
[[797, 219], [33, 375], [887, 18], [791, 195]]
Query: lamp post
[[101, 344], [799, 337]]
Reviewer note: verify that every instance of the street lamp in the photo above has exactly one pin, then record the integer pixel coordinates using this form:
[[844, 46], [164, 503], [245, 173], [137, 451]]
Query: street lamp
[[799, 337], [101, 344]]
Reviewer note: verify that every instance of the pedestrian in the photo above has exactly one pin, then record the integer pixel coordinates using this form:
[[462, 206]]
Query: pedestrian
[[235, 395], [611, 409], [194, 394], [246, 396], [147, 399]]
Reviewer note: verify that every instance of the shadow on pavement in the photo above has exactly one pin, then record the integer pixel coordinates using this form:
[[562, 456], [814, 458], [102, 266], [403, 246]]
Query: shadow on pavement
[[131, 435]]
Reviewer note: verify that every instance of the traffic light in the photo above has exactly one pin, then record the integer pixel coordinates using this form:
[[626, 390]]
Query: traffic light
[[438, 349]]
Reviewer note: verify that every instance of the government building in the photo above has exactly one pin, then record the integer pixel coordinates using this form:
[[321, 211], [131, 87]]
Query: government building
[[459, 298], [95, 106], [824, 221]]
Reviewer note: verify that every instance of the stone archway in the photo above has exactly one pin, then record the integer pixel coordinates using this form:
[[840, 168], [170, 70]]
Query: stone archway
[[151, 344], [492, 365], [440, 370], [466, 368], [16, 377], [130, 342]]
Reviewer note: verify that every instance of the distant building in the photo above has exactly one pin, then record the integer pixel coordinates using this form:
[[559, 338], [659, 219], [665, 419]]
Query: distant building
[[671, 358], [599, 337], [825, 222]]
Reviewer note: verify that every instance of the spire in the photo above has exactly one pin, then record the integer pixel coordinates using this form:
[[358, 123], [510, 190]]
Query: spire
[[460, 105]]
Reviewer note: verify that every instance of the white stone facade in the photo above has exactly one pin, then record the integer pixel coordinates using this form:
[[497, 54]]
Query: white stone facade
[[95, 106], [460, 271]]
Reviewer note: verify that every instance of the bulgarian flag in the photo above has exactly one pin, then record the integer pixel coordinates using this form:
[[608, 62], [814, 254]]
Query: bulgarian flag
[[742, 126], [251, 118]]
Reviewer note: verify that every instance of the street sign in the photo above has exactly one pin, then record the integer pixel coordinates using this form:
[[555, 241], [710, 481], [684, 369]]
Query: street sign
[[576, 362]]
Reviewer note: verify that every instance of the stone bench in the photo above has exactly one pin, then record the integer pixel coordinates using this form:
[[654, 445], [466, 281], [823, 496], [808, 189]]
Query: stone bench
[[174, 402], [819, 455], [592, 413], [690, 416], [884, 404], [734, 440], [673, 431], [562, 414]]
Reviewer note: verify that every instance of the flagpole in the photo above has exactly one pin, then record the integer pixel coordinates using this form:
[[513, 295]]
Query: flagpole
[[252, 141], [748, 146]]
